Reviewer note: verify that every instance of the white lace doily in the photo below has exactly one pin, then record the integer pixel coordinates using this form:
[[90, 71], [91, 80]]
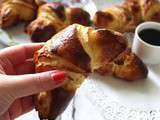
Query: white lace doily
[[120, 100]]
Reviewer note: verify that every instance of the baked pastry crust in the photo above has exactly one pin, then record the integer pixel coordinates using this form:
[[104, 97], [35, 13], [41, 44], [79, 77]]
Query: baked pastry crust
[[125, 17], [53, 17], [81, 50], [150, 10], [14, 11]]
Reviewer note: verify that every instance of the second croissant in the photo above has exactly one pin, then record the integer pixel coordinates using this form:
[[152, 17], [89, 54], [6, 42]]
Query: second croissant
[[125, 17], [53, 17], [15, 11]]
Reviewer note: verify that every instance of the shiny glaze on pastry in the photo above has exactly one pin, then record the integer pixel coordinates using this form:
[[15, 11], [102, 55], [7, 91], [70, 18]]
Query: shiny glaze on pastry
[[81, 50]]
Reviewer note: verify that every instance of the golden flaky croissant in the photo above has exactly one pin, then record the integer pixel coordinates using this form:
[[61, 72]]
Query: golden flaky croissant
[[127, 16], [14, 11], [80, 50], [115, 18], [53, 17]]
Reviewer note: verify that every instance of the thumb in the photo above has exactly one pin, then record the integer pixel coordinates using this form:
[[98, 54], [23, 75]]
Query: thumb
[[25, 85]]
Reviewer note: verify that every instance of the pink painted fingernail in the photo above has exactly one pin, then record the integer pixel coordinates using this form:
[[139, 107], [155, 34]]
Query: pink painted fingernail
[[58, 77]]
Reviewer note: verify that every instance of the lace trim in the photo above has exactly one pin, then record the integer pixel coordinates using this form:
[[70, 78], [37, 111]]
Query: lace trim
[[113, 110]]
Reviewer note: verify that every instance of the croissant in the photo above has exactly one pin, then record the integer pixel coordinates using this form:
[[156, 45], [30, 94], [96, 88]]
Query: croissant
[[125, 17], [116, 18], [40, 2], [14, 11], [134, 9], [53, 17], [122, 18], [81, 50], [150, 10]]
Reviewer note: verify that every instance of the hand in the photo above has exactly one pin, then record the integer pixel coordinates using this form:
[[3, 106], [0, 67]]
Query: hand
[[18, 84]]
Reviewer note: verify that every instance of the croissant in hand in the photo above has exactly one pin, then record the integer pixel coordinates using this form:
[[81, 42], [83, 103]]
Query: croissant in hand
[[80, 50], [14, 11], [126, 17], [53, 17]]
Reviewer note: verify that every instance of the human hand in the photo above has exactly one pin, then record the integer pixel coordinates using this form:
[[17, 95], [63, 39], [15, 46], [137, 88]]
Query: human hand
[[18, 84]]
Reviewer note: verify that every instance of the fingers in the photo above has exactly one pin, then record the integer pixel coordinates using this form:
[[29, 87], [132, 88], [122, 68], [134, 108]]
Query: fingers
[[26, 68], [27, 104], [18, 107], [31, 48], [15, 109], [21, 106], [5, 116], [25, 85], [18, 54]]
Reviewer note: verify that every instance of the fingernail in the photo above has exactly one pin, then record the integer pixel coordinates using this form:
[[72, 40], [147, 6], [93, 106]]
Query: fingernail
[[58, 77]]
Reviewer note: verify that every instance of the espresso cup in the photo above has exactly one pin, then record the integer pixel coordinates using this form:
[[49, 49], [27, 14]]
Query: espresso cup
[[150, 54]]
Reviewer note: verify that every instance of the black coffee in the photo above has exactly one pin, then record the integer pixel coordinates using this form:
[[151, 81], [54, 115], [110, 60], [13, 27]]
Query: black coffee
[[150, 36]]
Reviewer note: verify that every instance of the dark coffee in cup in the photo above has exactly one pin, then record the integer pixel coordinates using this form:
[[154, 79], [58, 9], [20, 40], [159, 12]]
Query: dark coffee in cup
[[146, 43], [151, 36]]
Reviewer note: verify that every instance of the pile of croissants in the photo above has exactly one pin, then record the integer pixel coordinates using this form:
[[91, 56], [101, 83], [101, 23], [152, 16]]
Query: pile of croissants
[[78, 47], [43, 19]]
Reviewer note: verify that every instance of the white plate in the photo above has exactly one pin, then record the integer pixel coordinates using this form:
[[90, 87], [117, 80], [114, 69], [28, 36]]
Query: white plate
[[29, 116], [14, 35]]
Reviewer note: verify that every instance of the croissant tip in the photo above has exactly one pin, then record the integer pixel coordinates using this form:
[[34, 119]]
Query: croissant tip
[[41, 34]]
